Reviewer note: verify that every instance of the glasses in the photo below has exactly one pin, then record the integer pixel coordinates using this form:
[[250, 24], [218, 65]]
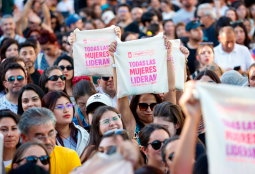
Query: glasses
[[156, 145], [12, 79], [108, 120], [236, 22], [122, 11], [171, 157], [123, 132], [62, 107], [68, 67], [106, 78], [65, 42], [144, 106], [205, 43], [52, 135], [55, 78], [81, 106], [195, 22], [44, 159]]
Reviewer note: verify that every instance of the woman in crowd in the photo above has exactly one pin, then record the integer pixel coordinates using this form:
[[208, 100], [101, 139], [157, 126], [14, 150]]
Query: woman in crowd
[[104, 119], [97, 11], [99, 23], [242, 37], [34, 33], [9, 129], [169, 29], [69, 135], [30, 96], [65, 45], [231, 13], [65, 63], [81, 93], [9, 49], [128, 36], [52, 79], [90, 25], [152, 137], [208, 76], [167, 12], [180, 32], [241, 10], [34, 152], [251, 75]]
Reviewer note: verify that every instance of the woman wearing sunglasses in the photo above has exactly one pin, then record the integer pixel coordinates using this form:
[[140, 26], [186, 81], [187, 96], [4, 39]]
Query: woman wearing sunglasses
[[30, 96], [52, 79], [31, 152], [69, 135], [65, 63], [152, 137]]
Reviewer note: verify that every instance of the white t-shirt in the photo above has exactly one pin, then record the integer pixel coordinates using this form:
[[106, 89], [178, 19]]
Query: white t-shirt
[[6, 163], [223, 10], [64, 6], [167, 16], [183, 16], [6, 104]]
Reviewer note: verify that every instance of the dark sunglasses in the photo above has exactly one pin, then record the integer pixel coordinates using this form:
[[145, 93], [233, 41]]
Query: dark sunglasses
[[236, 22], [55, 78], [44, 159], [12, 79], [156, 145], [65, 42], [171, 157], [68, 67], [144, 106], [106, 78]]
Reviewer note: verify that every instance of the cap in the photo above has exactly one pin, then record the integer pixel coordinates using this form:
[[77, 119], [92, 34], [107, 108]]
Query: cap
[[193, 25], [72, 19], [107, 17], [234, 78], [99, 98]]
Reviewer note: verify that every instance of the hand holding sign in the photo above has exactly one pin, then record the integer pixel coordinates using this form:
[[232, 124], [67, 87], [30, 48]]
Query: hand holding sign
[[185, 51]]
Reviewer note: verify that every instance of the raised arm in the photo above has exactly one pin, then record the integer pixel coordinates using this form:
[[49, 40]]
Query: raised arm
[[46, 14], [24, 13]]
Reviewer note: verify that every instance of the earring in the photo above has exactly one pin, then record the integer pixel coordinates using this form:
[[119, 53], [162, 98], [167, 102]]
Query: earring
[[146, 161]]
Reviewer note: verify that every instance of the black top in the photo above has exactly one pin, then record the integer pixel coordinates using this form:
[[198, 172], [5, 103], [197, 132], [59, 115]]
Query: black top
[[193, 64], [210, 35], [200, 149], [35, 77]]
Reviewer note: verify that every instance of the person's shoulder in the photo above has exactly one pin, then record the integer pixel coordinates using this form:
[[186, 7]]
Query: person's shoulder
[[63, 150], [241, 47]]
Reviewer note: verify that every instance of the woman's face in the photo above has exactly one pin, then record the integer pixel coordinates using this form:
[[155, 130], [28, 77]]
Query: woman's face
[[170, 126], [35, 35], [99, 24], [65, 44], [181, 32], [58, 85], [241, 12], [63, 111], [169, 28], [253, 11], [106, 144], [247, 25], [69, 73], [30, 99], [9, 129], [171, 148], [36, 151], [231, 14], [53, 23], [152, 154], [12, 51], [49, 49], [82, 101], [131, 37], [206, 78], [146, 116], [98, 10], [89, 26], [206, 55], [113, 124], [252, 77], [164, 7], [240, 35]]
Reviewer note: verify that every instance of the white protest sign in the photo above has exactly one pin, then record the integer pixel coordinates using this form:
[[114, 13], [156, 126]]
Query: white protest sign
[[179, 64], [90, 52], [141, 66], [229, 115]]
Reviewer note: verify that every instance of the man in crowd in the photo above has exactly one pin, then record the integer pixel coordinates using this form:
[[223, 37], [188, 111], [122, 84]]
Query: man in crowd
[[186, 13], [230, 55], [8, 26], [39, 124], [124, 15], [74, 21], [147, 19], [27, 52], [13, 78], [207, 17], [136, 14], [195, 33]]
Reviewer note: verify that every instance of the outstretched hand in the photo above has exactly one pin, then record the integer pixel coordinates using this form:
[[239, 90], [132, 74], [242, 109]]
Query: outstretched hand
[[117, 31], [185, 51], [168, 45], [112, 49]]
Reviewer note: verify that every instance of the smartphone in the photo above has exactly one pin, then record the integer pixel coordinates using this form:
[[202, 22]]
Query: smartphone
[[237, 68]]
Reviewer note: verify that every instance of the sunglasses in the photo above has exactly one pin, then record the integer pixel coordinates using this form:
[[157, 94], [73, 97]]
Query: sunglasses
[[65, 42], [68, 67], [156, 145], [56, 77], [106, 78], [62, 107], [236, 22], [44, 159], [12, 79], [171, 157], [144, 106]]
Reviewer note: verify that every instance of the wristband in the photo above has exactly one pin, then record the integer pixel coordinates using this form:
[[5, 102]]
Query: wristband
[[113, 65], [170, 58]]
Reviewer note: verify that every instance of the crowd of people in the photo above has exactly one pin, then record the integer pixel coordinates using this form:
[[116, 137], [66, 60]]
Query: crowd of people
[[55, 122]]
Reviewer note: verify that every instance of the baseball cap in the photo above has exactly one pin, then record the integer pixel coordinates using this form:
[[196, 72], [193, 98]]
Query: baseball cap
[[233, 77], [193, 25], [107, 17], [72, 19], [97, 100]]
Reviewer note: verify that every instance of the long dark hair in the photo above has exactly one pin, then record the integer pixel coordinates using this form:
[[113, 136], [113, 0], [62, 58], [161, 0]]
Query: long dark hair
[[82, 88], [28, 87], [247, 39], [209, 73], [133, 105], [6, 45], [49, 101], [171, 113], [95, 135]]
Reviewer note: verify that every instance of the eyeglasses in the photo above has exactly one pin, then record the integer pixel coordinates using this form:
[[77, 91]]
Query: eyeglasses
[[210, 68], [65, 42], [236, 22], [171, 157], [62, 107], [122, 11], [12, 79], [68, 67], [205, 43], [55, 78], [106, 78], [123, 132], [52, 135], [108, 120], [156, 145], [44, 159], [144, 106], [195, 22]]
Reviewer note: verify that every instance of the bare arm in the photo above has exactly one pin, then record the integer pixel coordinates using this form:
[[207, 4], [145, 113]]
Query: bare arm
[[46, 14], [24, 13], [16, 17]]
